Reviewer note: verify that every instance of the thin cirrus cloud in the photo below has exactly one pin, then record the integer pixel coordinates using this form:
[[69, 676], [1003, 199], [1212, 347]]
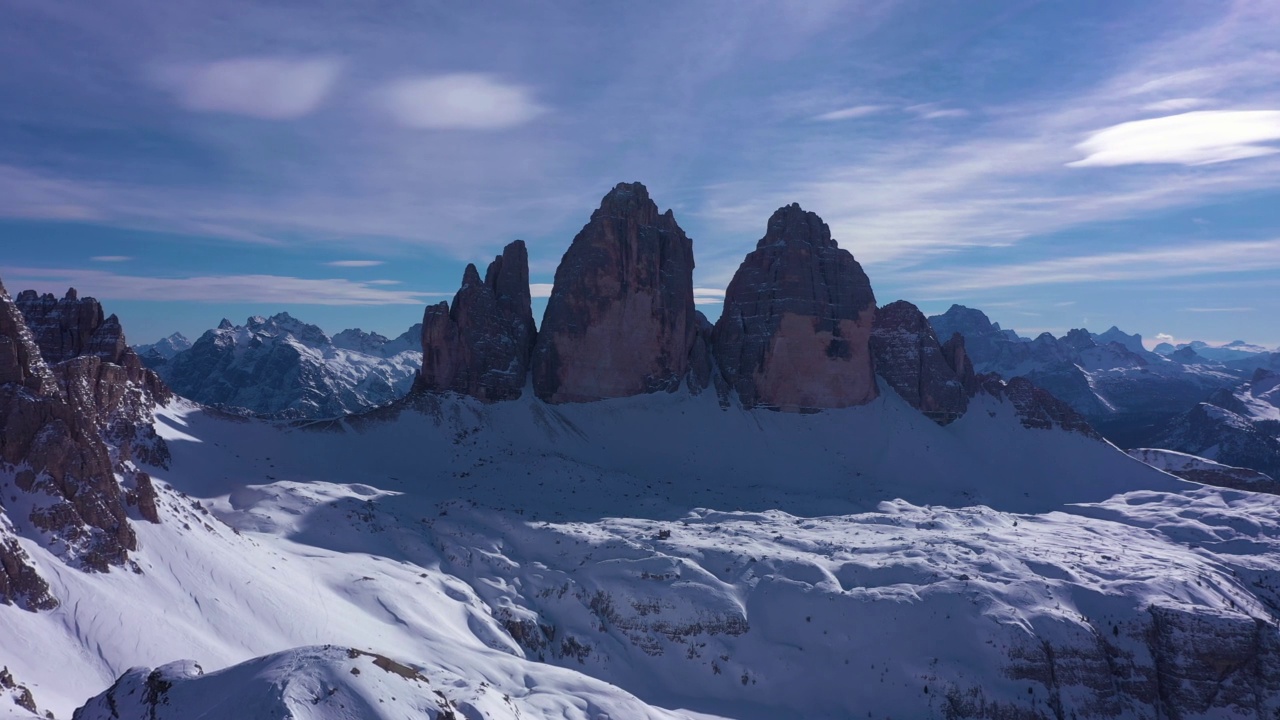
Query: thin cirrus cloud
[[257, 87], [355, 263], [1219, 309], [850, 113], [1175, 104], [1155, 264], [110, 258], [1195, 138], [217, 288], [459, 101]]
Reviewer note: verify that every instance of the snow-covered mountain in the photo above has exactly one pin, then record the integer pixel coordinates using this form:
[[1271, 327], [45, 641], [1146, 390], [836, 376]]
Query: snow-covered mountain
[[1127, 392], [1235, 427], [741, 521], [613, 559], [162, 351], [285, 368]]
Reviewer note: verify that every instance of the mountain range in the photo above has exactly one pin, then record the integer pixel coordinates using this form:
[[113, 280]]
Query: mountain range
[[817, 507]]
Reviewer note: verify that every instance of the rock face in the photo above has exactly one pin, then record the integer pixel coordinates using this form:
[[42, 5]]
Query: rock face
[[72, 327], [936, 380], [797, 321], [75, 415], [620, 320], [481, 346], [1036, 407]]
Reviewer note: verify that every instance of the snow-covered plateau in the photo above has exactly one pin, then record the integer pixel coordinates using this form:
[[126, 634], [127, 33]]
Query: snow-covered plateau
[[662, 557]]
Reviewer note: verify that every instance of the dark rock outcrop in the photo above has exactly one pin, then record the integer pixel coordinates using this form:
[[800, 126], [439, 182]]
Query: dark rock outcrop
[[797, 321], [620, 320], [1036, 407], [72, 421], [481, 346], [72, 327], [934, 379]]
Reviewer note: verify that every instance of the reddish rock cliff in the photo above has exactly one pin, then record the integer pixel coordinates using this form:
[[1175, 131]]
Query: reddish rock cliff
[[620, 320], [481, 346], [797, 320]]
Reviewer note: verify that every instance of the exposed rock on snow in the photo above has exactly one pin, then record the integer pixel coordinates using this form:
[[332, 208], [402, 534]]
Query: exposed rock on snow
[[1201, 470], [797, 320], [1239, 428], [620, 320], [162, 351], [935, 380], [66, 431], [481, 346]]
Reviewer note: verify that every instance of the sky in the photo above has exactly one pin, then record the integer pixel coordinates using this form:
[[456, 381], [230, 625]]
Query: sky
[[1058, 165]]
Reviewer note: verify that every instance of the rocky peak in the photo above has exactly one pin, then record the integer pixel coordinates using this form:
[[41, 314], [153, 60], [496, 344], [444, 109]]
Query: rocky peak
[[621, 319], [20, 361], [797, 320], [1079, 339], [71, 327], [481, 346], [921, 370], [67, 441]]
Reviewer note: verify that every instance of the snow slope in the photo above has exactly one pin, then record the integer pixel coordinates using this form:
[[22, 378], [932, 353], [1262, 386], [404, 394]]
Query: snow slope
[[661, 557]]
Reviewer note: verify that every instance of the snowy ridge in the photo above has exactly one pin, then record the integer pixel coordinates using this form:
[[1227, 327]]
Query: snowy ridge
[[282, 367], [614, 560]]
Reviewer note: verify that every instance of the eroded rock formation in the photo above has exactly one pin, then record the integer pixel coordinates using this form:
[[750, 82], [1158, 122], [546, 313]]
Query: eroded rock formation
[[620, 320], [75, 414], [797, 320], [932, 378], [481, 346]]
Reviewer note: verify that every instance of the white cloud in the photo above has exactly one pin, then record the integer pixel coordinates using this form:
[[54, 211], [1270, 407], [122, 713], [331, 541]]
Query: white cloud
[[934, 111], [1157, 263], [852, 112], [110, 258], [1175, 104], [540, 290], [462, 101], [1194, 138], [354, 263], [1219, 309], [259, 87], [1164, 337], [707, 296], [267, 289]]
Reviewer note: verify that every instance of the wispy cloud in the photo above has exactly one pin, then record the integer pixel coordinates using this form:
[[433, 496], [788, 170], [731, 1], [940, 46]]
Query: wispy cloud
[[849, 113], [934, 111], [461, 101], [1195, 138], [355, 263], [540, 290], [1155, 263], [110, 258], [1176, 104], [707, 296], [258, 87], [1219, 309], [267, 289]]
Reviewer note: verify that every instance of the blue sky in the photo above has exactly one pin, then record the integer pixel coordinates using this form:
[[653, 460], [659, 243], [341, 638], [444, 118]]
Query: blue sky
[[1056, 164]]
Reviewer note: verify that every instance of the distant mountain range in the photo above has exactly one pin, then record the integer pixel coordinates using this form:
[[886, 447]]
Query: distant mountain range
[[1217, 402], [282, 367]]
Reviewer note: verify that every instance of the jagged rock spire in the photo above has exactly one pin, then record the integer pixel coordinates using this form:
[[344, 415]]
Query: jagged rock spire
[[621, 319], [481, 345]]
